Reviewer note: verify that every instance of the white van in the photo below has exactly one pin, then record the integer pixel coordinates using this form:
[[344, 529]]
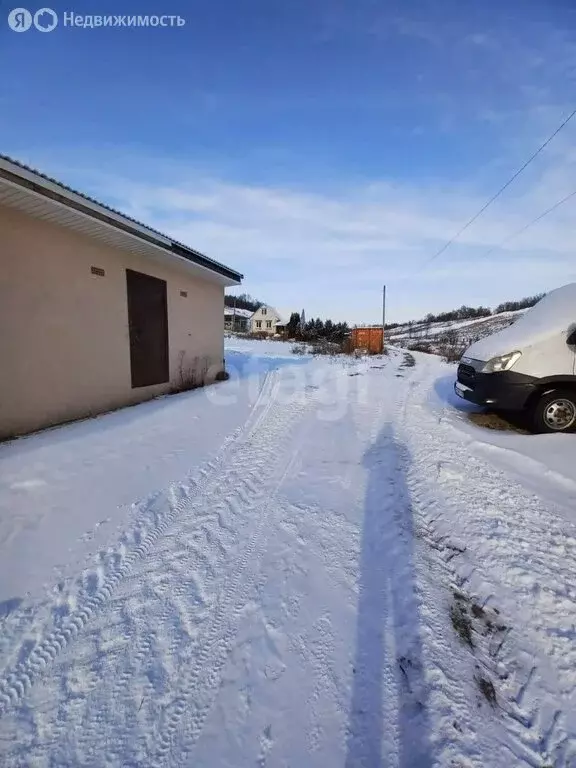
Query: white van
[[531, 365]]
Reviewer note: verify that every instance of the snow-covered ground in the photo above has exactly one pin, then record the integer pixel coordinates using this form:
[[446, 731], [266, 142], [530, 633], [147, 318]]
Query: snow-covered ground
[[320, 562]]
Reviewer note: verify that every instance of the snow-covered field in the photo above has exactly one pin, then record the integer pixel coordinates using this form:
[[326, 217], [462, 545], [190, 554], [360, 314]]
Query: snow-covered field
[[320, 562]]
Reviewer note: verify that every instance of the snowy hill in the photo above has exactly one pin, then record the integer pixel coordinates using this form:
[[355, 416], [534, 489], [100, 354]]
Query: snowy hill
[[229, 311], [460, 333]]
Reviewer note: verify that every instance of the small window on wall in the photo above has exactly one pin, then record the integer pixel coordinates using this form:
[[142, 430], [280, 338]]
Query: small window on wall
[[258, 323], [264, 312], [268, 323]]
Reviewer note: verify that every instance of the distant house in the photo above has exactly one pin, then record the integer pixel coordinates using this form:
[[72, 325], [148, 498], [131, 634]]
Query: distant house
[[267, 320], [237, 319]]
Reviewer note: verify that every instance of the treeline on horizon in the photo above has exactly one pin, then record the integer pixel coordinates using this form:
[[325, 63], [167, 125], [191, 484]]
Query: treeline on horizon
[[470, 313], [242, 301]]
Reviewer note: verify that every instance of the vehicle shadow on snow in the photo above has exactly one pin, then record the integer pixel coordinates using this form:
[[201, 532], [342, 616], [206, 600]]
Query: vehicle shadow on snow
[[444, 389], [478, 415], [388, 620]]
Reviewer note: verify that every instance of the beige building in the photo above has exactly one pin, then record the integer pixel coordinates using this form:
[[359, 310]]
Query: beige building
[[267, 320], [97, 310]]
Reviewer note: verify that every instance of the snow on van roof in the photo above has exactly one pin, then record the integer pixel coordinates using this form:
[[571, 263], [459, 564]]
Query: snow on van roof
[[555, 313]]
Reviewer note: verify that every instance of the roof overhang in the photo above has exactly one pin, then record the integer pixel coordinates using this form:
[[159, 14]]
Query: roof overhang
[[43, 198]]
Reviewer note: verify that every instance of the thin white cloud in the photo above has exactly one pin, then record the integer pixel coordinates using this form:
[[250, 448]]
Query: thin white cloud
[[331, 248], [331, 251]]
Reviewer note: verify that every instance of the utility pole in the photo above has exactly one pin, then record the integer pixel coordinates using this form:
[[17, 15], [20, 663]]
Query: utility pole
[[383, 314]]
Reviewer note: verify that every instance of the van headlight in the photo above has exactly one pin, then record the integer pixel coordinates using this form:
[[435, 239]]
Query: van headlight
[[501, 363]]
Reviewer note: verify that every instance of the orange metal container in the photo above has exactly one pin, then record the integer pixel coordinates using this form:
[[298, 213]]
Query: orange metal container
[[370, 339]]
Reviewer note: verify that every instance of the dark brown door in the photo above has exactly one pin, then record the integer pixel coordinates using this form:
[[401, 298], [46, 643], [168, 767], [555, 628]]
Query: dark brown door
[[148, 323]]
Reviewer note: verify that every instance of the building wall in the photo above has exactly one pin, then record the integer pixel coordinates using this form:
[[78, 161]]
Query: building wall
[[64, 339], [264, 315]]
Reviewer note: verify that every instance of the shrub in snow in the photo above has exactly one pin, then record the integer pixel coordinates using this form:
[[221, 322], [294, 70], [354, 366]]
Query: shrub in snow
[[322, 347], [197, 372], [420, 346]]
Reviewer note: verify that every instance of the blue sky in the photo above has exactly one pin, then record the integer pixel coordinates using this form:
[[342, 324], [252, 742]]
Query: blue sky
[[321, 147]]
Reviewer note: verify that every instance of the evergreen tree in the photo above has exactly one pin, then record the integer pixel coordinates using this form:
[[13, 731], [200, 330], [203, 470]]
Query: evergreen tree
[[293, 325]]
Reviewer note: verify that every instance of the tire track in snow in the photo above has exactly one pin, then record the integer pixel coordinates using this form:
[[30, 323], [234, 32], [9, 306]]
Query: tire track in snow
[[535, 732], [455, 746], [97, 586], [243, 495], [141, 644], [189, 586], [199, 682], [185, 716], [255, 465], [451, 700]]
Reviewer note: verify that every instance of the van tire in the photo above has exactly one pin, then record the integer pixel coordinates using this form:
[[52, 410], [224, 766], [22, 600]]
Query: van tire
[[552, 409]]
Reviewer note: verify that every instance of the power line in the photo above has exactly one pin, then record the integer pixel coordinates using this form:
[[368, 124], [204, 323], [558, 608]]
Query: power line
[[530, 224], [501, 190]]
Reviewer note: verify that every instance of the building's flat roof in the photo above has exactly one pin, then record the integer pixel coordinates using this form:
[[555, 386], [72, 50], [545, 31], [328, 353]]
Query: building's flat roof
[[19, 183]]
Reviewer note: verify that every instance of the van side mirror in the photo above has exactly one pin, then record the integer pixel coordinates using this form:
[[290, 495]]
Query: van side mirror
[[571, 338]]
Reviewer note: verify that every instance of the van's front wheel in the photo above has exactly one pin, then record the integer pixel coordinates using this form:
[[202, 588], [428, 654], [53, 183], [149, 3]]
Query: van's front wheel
[[555, 412]]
